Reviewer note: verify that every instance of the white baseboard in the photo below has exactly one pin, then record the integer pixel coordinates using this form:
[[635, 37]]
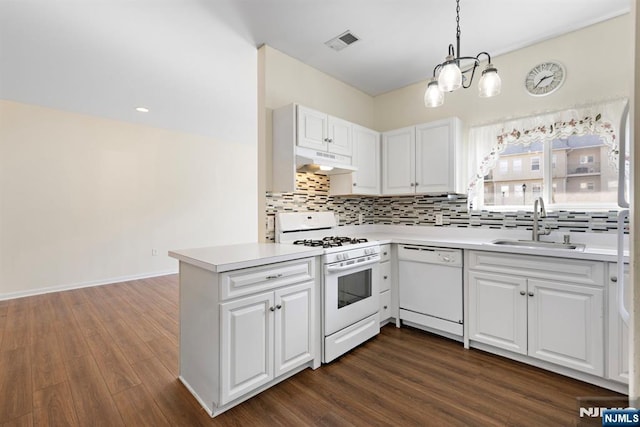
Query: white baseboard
[[40, 291]]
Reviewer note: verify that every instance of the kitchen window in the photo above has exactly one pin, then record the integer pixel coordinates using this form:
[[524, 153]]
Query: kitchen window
[[569, 158]]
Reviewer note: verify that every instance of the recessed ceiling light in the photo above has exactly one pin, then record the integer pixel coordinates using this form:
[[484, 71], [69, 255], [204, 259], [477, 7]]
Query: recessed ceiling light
[[142, 109]]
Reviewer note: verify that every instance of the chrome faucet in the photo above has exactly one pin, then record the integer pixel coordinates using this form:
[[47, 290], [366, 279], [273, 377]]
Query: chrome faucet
[[536, 231]]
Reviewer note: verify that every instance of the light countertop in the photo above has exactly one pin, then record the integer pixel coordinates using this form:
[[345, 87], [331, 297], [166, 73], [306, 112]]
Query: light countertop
[[598, 247], [233, 257]]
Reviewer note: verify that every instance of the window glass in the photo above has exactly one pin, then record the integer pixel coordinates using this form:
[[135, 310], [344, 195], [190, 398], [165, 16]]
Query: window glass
[[522, 177], [584, 174]]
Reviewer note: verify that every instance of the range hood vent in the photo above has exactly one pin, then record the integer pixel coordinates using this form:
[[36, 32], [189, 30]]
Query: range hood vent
[[308, 160], [343, 40]]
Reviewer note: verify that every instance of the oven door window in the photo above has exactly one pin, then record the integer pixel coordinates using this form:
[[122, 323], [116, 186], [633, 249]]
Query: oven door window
[[354, 287]]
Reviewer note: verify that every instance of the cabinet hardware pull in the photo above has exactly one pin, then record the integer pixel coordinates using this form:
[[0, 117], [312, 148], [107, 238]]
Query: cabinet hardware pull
[[385, 277], [385, 307], [530, 294], [384, 253], [279, 306], [272, 308], [522, 292], [412, 184], [614, 279], [274, 276], [417, 184], [354, 184]]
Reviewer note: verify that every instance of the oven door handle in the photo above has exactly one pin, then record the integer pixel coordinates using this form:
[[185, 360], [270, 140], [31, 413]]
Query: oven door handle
[[335, 268]]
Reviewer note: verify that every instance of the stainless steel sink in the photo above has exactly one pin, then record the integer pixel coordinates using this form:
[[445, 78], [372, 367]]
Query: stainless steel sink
[[532, 244]]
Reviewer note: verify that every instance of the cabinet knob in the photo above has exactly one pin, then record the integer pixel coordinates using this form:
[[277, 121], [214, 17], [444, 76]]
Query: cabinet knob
[[385, 307], [530, 294], [417, 184], [522, 293], [354, 184], [385, 277], [329, 140], [614, 279], [384, 253], [412, 184], [279, 306], [272, 308]]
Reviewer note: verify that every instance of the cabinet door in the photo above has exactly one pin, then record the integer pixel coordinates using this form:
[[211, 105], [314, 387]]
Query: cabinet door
[[498, 310], [566, 325], [366, 157], [312, 129], [294, 326], [618, 347], [339, 133], [398, 161], [435, 157], [246, 340]]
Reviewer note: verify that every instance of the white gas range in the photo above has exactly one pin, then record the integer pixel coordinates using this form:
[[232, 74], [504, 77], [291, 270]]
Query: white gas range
[[350, 279]]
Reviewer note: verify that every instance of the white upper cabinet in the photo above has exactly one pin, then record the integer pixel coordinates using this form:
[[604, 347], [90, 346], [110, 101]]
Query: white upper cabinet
[[421, 159], [323, 132], [312, 129], [435, 156], [339, 136], [366, 158], [398, 161], [302, 136]]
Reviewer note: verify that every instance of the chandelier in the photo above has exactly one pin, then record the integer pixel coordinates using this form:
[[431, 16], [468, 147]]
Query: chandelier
[[458, 71]]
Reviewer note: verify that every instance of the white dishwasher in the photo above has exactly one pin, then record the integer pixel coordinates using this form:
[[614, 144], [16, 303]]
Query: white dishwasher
[[430, 288]]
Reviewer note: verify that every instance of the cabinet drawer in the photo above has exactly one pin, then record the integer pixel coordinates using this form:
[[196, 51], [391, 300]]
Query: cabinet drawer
[[247, 281], [385, 305], [385, 253], [385, 276], [558, 269]]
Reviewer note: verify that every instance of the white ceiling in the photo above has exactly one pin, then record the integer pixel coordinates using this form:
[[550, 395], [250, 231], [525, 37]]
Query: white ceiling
[[102, 57]]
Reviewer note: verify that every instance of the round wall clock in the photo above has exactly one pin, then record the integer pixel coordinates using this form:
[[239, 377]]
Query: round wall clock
[[545, 78]]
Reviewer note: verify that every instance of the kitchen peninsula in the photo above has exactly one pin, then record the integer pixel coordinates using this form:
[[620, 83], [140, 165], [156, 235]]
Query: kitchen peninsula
[[249, 318]]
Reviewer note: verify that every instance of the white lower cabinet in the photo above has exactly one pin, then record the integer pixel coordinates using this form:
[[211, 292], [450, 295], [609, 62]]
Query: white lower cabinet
[[247, 342], [618, 332], [264, 336], [385, 284], [244, 330], [498, 311], [531, 311]]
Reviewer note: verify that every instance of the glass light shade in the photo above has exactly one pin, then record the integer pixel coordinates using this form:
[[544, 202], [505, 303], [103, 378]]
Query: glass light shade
[[490, 82], [325, 168], [433, 96], [450, 77]]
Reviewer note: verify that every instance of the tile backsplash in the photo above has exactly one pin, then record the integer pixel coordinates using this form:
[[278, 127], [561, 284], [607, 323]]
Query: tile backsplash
[[421, 210]]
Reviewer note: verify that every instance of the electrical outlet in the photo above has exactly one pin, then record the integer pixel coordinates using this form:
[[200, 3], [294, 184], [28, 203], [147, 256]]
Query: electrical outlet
[[271, 222], [154, 252], [438, 218]]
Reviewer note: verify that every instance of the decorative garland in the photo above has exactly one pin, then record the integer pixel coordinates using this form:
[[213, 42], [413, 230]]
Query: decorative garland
[[557, 130]]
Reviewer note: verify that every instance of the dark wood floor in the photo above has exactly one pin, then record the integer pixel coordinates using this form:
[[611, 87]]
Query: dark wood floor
[[107, 356]]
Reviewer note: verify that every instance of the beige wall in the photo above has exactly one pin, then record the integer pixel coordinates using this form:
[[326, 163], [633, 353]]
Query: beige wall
[[84, 200], [598, 61]]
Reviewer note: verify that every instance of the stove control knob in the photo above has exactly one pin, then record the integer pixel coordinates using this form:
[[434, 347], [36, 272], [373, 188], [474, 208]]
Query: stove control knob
[[345, 256], [339, 257]]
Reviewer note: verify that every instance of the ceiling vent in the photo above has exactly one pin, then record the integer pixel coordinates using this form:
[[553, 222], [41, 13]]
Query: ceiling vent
[[343, 40]]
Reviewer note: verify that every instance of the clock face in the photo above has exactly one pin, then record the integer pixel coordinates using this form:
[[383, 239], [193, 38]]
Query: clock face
[[545, 78]]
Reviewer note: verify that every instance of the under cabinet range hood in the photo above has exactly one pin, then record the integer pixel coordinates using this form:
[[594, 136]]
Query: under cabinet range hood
[[321, 162]]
